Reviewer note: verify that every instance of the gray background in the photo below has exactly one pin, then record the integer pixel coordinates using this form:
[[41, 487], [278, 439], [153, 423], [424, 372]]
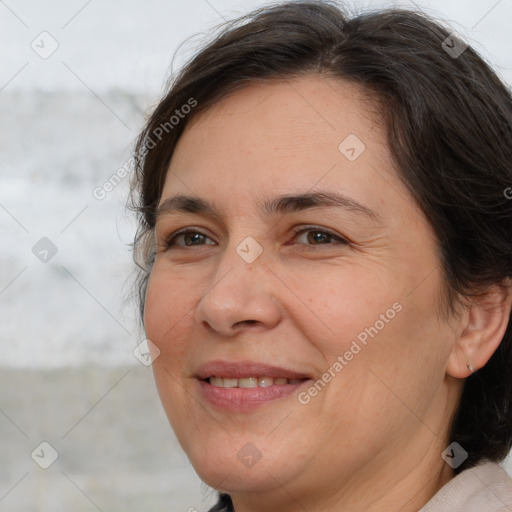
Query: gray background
[[67, 372]]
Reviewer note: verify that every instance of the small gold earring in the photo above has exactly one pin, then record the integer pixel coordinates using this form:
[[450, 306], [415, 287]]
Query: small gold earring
[[470, 367]]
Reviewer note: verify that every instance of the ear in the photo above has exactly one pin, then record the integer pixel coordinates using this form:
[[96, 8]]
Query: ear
[[482, 327]]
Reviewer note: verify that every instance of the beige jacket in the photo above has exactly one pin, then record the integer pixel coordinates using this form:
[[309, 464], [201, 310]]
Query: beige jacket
[[484, 488]]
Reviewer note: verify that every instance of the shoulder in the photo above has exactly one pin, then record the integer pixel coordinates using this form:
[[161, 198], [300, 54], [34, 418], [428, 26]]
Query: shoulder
[[484, 487]]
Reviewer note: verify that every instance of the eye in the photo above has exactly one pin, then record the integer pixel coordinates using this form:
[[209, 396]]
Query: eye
[[315, 235], [190, 238]]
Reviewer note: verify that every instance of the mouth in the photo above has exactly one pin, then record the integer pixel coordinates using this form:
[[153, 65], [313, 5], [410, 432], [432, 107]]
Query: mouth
[[244, 386], [251, 382]]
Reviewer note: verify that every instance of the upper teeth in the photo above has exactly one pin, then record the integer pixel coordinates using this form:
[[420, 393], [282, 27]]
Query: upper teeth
[[250, 382]]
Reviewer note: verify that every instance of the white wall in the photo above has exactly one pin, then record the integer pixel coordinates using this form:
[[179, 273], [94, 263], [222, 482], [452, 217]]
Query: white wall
[[129, 44], [67, 123]]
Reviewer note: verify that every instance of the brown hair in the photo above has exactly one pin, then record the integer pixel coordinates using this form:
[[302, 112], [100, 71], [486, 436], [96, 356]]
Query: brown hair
[[449, 127]]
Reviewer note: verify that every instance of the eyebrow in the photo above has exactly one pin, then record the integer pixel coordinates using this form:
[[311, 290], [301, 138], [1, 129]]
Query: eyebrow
[[288, 203]]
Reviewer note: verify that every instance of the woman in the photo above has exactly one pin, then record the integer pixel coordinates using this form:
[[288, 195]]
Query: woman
[[326, 253]]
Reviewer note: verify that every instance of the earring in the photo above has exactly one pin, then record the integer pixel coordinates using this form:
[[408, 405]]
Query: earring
[[470, 367]]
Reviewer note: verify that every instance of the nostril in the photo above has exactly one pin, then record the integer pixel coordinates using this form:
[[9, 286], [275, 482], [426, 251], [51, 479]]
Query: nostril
[[250, 322]]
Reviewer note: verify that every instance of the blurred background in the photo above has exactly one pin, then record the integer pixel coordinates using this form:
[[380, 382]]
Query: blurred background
[[76, 80]]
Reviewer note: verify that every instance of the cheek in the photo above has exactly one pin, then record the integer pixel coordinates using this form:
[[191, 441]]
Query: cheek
[[333, 304], [394, 377], [167, 323], [386, 336], [168, 307]]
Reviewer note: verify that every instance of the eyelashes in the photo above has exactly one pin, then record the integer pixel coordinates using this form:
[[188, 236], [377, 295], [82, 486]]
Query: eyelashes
[[171, 241], [325, 233], [194, 238]]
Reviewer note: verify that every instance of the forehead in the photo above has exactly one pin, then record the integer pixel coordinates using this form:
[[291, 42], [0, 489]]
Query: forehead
[[305, 113], [278, 137]]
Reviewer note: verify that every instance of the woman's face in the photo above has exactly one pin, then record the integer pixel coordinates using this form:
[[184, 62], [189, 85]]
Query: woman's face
[[301, 350]]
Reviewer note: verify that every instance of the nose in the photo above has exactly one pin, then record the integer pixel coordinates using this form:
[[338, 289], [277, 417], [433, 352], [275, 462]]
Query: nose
[[239, 296]]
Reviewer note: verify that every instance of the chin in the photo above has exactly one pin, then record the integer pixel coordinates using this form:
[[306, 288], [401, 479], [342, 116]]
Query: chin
[[228, 468], [236, 478]]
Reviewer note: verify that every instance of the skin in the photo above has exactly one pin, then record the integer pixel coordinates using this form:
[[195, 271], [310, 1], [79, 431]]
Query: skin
[[372, 439]]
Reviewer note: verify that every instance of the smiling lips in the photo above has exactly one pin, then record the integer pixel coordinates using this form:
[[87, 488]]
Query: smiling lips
[[245, 385], [251, 382]]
